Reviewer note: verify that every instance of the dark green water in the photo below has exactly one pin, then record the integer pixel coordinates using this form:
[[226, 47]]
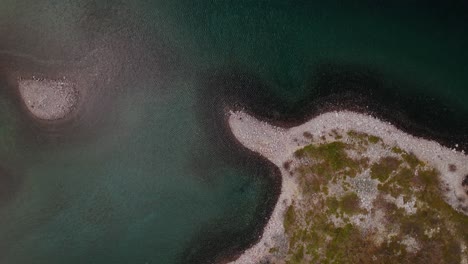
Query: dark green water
[[154, 188]]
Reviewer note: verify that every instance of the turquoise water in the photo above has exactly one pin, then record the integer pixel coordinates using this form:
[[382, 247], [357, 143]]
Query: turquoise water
[[154, 184]]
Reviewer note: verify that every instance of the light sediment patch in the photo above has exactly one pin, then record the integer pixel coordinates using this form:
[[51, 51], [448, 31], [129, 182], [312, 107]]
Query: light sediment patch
[[48, 99]]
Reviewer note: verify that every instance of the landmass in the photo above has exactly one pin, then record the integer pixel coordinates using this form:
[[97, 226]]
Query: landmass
[[356, 189], [48, 99]]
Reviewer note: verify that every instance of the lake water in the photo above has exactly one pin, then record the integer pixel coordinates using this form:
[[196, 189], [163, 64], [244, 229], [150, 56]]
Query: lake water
[[152, 178]]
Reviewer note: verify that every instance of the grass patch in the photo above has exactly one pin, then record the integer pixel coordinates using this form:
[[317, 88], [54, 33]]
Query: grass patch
[[363, 137], [315, 238], [289, 218], [412, 160], [384, 167]]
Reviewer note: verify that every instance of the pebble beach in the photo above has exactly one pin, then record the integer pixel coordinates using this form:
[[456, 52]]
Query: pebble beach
[[48, 99], [279, 144]]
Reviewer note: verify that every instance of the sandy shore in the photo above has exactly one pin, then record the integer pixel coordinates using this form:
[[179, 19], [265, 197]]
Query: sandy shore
[[278, 145]]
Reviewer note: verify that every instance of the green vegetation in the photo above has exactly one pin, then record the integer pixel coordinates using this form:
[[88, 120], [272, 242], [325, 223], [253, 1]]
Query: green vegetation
[[411, 159], [329, 158], [322, 227], [349, 203], [374, 139], [290, 217], [384, 168], [397, 150], [364, 138], [273, 250]]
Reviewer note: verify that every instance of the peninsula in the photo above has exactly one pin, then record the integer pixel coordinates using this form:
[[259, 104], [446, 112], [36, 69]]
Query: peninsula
[[356, 189]]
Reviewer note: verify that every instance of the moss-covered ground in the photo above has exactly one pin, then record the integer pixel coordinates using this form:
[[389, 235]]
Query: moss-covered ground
[[360, 207]]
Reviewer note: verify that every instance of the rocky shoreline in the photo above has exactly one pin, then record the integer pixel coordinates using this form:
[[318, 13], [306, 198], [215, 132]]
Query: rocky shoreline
[[332, 87], [278, 145]]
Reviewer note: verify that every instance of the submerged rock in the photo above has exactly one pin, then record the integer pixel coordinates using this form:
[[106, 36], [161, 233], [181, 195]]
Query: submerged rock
[[48, 99]]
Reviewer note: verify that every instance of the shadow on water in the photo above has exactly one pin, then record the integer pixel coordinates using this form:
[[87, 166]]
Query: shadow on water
[[330, 87], [397, 101], [222, 240], [359, 88]]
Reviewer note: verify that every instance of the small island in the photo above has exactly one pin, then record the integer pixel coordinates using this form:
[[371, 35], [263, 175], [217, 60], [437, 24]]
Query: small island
[[356, 189], [48, 100]]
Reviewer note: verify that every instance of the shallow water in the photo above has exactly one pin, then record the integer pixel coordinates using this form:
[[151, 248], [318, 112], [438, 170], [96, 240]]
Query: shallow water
[[149, 179]]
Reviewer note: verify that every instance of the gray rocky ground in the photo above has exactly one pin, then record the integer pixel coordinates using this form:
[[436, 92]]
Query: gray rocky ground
[[48, 99]]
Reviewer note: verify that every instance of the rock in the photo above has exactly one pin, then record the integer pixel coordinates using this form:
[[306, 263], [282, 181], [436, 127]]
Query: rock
[[48, 99]]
